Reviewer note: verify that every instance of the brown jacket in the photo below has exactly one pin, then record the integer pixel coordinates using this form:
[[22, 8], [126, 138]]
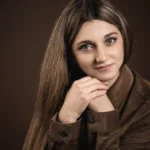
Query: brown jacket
[[125, 128]]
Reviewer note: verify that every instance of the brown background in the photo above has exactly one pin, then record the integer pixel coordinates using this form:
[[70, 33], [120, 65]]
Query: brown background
[[25, 28]]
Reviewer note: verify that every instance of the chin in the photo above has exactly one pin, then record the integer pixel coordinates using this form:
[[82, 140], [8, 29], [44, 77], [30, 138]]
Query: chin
[[107, 77]]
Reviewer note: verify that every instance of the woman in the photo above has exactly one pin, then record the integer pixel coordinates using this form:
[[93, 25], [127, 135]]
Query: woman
[[88, 98]]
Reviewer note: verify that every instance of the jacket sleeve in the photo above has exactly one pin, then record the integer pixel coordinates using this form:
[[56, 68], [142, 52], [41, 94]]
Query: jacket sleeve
[[137, 132], [63, 136], [132, 135], [105, 125]]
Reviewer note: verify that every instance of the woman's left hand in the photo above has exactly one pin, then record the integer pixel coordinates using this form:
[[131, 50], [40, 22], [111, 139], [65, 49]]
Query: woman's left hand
[[101, 104]]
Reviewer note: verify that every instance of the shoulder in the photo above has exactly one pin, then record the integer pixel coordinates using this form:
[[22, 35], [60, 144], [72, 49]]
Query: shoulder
[[141, 85]]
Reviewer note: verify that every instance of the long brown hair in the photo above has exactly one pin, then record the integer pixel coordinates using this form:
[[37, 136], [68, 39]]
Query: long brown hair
[[57, 70]]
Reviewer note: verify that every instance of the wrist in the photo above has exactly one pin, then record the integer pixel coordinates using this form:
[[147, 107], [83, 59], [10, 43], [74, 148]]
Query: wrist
[[101, 104], [64, 119]]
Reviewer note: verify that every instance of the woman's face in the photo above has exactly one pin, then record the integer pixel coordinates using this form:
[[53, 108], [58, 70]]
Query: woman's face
[[98, 50]]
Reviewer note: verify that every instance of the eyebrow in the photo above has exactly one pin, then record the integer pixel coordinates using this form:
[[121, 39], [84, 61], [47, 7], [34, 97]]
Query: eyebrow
[[109, 34], [92, 43], [87, 42]]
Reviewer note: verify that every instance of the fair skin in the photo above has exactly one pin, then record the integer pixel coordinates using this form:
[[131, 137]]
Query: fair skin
[[98, 50]]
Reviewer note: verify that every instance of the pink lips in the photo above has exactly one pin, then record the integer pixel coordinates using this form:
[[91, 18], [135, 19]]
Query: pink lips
[[104, 67]]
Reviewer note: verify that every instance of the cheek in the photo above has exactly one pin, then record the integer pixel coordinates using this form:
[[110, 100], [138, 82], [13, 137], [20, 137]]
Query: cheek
[[118, 49], [84, 61], [119, 52]]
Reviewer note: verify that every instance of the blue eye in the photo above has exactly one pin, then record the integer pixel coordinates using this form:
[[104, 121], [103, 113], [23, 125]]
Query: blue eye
[[110, 41]]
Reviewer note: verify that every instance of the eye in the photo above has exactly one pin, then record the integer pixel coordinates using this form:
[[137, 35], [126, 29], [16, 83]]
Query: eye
[[110, 41], [86, 47]]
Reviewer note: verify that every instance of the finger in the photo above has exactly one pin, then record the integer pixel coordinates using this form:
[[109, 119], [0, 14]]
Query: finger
[[97, 93], [88, 82], [83, 79], [95, 86], [106, 83]]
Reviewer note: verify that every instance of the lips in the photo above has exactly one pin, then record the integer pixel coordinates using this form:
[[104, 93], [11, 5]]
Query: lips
[[103, 67]]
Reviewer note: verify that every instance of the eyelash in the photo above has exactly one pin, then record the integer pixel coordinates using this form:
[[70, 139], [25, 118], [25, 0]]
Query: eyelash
[[111, 38], [82, 47]]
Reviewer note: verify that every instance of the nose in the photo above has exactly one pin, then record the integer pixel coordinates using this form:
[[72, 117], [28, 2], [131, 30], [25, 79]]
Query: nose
[[101, 55]]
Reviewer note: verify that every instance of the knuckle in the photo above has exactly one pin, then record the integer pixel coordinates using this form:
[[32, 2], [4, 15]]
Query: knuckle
[[87, 77], [75, 83], [79, 89]]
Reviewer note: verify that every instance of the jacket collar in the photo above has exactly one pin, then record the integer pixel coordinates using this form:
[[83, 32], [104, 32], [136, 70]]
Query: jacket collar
[[119, 90]]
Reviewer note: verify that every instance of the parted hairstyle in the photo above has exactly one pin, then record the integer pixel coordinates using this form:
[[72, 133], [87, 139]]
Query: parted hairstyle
[[58, 70]]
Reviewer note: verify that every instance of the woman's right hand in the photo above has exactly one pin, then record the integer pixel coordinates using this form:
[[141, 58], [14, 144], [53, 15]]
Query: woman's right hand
[[78, 97]]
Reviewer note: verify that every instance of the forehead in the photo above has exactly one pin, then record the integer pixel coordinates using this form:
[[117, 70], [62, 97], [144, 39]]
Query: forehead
[[95, 29]]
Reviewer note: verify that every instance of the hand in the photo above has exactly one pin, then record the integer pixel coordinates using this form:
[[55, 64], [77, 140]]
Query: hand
[[81, 93], [101, 104]]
